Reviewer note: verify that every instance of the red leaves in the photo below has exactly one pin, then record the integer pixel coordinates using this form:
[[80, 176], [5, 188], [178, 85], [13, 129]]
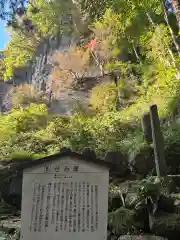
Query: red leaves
[[92, 43]]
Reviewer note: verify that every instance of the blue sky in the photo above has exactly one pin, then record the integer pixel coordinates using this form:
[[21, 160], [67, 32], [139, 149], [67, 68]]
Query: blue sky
[[4, 37]]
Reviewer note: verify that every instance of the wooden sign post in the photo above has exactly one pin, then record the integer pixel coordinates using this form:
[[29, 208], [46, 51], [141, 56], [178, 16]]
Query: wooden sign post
[[158, 142], [152, 131]]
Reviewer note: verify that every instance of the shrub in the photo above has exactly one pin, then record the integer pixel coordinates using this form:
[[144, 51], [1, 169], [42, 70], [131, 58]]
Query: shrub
[[26, 94], [104, 97], [150, 188]]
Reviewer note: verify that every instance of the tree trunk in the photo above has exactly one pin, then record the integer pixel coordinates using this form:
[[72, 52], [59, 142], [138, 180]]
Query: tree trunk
[[169, 50], [176, 5]]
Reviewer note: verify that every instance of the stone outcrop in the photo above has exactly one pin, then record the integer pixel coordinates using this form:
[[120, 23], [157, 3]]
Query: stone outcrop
[[38, 73]]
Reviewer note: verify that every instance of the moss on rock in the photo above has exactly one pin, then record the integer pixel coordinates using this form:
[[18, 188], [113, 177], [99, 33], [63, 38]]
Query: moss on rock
[[124, 221], [166, 225], [142, 161]]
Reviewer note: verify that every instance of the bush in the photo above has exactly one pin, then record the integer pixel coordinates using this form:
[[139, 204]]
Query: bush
[[150, 188], [104, 97], [26, 94]]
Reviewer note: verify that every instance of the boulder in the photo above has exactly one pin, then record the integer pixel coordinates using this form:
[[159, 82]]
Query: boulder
[[6, 209], [172, 154], [121, 221], [166, 204], [175, 183], [124, 221], [11, 189], [114, 203], [120, 163], [142, 162], [88, 152], [141, 237], [166, 225]]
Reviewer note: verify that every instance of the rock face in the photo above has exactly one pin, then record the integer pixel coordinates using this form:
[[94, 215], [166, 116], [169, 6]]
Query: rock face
[[4, 89], [42, 63], [38, 73], [39, 69]]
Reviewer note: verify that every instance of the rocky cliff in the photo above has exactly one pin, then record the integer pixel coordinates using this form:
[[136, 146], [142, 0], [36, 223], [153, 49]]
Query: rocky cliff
[[39, 71]]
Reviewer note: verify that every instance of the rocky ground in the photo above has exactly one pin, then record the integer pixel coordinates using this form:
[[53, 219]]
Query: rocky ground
[[10, 222], [128, 219], [137, 218]]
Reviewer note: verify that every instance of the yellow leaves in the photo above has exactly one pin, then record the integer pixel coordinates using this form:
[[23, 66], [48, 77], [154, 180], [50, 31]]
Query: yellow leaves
[[158, 45], [19, 51], [103, 96], [38, 109], [109, 25], [107, 31]]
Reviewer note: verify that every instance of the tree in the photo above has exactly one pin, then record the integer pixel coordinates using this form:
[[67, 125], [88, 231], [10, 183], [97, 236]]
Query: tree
[[23, 43], [49, 20], [14, 12], [107, 31], [8, 8], [176, 5], [20, 51]]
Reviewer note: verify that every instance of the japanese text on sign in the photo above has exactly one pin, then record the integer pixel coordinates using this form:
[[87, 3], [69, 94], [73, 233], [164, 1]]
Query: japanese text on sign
[[68, 206]]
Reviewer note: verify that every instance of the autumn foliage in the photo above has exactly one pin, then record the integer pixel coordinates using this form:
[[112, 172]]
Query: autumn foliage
[[69, 66]]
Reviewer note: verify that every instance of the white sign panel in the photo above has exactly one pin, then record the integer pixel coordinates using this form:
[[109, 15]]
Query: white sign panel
[[65, 199]]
